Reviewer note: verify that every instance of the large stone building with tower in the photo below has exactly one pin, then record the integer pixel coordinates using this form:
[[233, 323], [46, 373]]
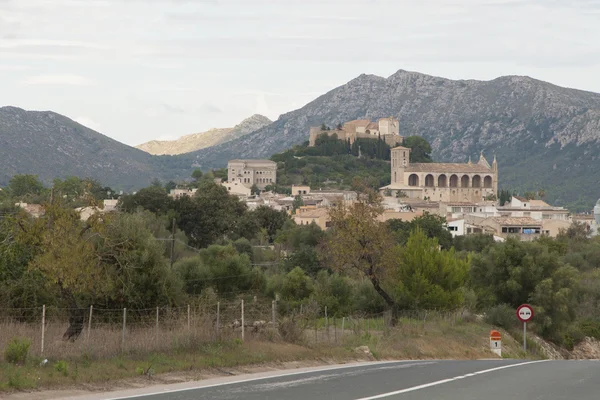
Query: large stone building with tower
[[442, 182], [386, 128]]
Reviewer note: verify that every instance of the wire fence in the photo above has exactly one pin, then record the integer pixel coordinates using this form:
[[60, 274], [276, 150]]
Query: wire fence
[[99, 333]]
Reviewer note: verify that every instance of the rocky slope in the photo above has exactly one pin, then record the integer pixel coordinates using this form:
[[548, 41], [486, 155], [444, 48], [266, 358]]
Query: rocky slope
[[212, 137], [51, 145], [544, 136]]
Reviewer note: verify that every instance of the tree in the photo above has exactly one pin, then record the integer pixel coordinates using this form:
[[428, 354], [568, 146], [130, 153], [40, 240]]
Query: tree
[[269, 219], [323, 126], [339, 127], [255, 190], [541, 193], [156, 183], [154, 199], [359, 244], [197, 174], [171, 185], [529, 195], [429, 278], [432, 225], [297, 203], [504, 197], [210, 215], [420, 149], [23, 185]]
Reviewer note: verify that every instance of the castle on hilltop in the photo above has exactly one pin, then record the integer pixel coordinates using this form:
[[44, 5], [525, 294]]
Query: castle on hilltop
[[443, 182], [386, 128]]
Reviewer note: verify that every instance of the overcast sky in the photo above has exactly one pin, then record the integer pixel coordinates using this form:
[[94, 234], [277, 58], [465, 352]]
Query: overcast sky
[[138, 70]]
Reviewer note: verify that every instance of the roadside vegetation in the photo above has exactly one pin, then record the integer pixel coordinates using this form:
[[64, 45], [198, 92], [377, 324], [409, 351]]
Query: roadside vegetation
[[210, 248]]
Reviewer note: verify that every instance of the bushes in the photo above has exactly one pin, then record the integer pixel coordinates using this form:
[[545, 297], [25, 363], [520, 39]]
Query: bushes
[[502, 316], [17, 350]]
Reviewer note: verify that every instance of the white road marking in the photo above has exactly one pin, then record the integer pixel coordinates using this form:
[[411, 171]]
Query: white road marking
[[200, 386], [456, 378]]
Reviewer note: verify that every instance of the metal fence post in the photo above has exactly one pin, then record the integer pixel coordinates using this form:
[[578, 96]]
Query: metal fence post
[[242, 319], [90, 322], [124, 324], [43, 326]]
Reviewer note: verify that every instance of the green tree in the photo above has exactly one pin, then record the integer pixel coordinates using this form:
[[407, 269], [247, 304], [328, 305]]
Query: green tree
[[269, 219], [420, 149], [432, 225], [23, 185], [171, 185], [210, 215], [504, 197], [298, 202], [154, 199], [429, 278], [255, 190], [197, 174]]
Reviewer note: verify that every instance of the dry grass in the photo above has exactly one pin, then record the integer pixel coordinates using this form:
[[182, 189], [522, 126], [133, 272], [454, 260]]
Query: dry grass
[[101, 358]]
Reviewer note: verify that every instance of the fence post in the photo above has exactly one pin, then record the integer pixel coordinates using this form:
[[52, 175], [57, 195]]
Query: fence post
[[156, 329], [124, 324], [43, 326], [327, 324], [90, 322], [242, 319], [188, 317], [343, 322], [273, 312], [218, 318], [334, 330]]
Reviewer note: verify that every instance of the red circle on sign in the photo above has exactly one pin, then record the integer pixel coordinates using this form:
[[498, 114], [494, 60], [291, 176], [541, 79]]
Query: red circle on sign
[[495, 335], [525, 312]]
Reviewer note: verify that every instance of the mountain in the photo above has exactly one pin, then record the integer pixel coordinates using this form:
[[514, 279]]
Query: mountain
[[544, 136], [212, 137], [54, 146]]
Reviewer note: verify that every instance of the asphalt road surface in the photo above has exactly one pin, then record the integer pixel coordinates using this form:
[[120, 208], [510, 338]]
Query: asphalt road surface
[[419, 380]]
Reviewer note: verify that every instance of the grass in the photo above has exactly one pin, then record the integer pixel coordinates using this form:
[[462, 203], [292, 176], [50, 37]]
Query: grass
[[101, 360]]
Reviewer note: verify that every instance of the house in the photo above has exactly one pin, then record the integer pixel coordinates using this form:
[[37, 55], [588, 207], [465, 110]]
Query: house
[[35, 210], [536, 209], [237, 188], [307, 216], [179, 193], [252, 172], [444, 182], [300, 190]]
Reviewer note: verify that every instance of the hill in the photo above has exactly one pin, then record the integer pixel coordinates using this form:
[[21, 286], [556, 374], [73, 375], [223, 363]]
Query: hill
[[212, 137], [544, 136], [54, 146]]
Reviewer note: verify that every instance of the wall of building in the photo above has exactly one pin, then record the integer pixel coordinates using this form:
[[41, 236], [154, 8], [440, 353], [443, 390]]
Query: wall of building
[[251, 173]]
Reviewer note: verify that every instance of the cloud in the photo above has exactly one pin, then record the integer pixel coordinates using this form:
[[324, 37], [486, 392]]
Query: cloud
[[70, 80], [88, 122]]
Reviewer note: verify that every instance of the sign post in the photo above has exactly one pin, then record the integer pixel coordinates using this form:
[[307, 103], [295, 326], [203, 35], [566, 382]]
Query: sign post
[[496, 342], [525, 313]]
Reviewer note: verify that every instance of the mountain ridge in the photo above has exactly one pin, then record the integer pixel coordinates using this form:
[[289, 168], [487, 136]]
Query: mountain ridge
[[211, 137], [517, 117]]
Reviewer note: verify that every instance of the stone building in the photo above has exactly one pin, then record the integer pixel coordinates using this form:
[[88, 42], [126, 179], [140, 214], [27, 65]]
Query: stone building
[[443, 182], [252, 172], [386, 128]]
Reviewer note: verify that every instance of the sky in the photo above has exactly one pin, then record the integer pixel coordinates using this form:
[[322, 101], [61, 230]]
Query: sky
[[139, 70]]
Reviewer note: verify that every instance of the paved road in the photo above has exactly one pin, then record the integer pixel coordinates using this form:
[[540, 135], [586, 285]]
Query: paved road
[[418, 380]]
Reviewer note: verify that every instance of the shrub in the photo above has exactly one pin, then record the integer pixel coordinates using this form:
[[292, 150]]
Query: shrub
[[62, 367], [290, 330], [17, 350], [502, 316], [590, 328]]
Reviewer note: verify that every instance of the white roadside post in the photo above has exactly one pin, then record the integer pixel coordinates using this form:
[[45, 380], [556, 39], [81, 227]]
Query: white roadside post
[[496, 342], [525, 313]]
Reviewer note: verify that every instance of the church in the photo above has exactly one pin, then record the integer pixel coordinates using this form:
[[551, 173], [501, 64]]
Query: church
[[442, 182]]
